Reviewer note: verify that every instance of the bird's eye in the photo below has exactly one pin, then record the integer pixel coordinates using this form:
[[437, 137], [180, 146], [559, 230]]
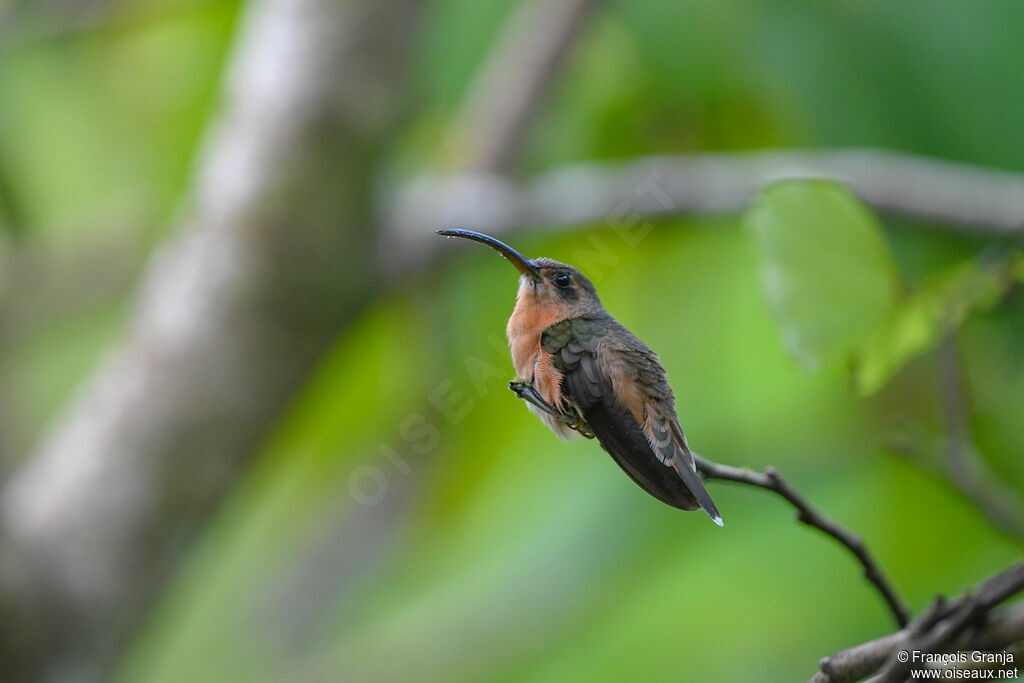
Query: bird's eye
[[563, 280]]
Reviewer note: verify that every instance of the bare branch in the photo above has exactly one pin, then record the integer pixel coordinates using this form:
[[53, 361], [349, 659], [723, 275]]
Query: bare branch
[[943, 627], [967, 611], [965, 197], [510, 83], [936, 630], [772, 481]]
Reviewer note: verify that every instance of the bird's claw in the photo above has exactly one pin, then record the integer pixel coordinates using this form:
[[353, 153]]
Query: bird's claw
[[584, 429], [574, 420], [519, 387]]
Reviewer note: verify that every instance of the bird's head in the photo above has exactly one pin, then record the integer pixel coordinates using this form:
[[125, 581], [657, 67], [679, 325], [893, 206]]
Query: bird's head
[[543, 283]]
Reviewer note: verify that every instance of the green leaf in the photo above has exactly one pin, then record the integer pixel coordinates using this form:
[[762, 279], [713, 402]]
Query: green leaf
[[933, 311], [827, 270]]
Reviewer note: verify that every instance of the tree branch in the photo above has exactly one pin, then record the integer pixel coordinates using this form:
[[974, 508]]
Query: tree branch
[[946, 626], [967, 612], [807, 514], [962, 196]]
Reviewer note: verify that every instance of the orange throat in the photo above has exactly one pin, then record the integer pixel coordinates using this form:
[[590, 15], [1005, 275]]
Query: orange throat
[[528, 322]]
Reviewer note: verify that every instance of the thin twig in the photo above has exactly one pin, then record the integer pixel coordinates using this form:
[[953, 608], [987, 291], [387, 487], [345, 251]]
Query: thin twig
[[772, 481]]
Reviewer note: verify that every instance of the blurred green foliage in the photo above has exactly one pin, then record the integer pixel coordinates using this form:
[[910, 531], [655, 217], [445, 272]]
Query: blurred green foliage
[[926, 317], [836, 291], [492, 551]]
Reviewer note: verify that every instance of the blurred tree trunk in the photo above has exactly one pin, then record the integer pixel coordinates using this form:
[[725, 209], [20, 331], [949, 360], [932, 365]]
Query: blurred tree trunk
[[268, 264]]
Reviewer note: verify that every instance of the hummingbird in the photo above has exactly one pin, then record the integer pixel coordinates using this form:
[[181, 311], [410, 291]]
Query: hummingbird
[[583, 373]]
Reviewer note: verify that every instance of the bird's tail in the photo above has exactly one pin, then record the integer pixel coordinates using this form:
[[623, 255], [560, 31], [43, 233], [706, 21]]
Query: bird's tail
[[688, 473], [686, 468]]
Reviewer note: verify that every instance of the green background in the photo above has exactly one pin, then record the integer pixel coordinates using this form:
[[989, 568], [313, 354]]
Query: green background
[[492, 550]]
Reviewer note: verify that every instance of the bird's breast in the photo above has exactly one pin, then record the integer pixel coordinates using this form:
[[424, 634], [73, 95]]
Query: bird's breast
[[525, 327], [525, 348], [531, 362]]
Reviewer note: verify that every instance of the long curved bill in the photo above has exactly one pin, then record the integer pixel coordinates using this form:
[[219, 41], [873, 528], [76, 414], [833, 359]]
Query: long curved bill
[[522, 264]]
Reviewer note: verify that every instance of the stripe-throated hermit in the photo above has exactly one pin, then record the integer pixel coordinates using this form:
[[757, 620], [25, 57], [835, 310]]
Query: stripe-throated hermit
[[582, 371]]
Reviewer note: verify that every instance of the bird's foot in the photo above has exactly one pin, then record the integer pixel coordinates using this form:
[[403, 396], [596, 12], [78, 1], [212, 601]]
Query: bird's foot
[[525, 391]]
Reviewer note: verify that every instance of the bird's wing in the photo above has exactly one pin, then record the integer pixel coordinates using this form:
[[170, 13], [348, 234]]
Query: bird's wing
[[661, 427], [639, 437]]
